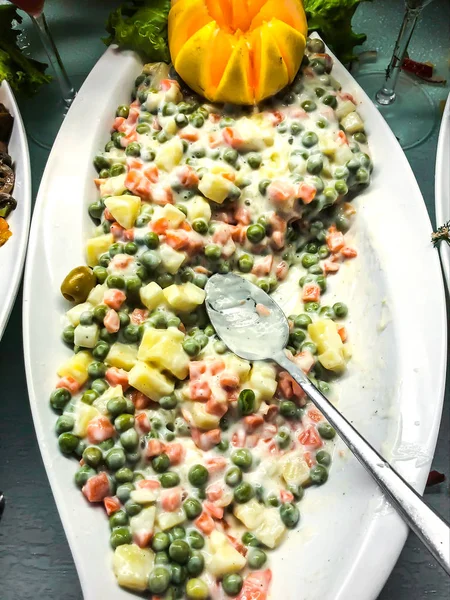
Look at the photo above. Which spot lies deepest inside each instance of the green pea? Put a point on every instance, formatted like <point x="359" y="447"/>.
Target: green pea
<point x="161" y="463"/>
<point x="179" y="551"/>
<point x="197" y="120"/>
<point x="117" y="169"/>
<point x="288" y="409"/>
<point x="245" y="263"/>
<point x="173" y="322"/>
<point x="256" y="558"/>
<point x="158" y="320"/>
<point x="59" y="398"/>
<point x="115" y="459"/>
<point x="118" y="519"/>
<point x="340" y="310"/>
<point x="202" y="340"/>
<point x="158" y="580"/>
<point x="246" y="402"/>
<point x="83" y="474"/>
<point x="230" y="156"/>
<point x="360" y="137"/>
<point x="150" y="260"/>
<point x="107" y="444"/>
<point x="309" y="105"/>
<point x="326" y="431"/>
<point x="116" y="406"/>
<point x="64" y="423"/>
<point x="168" y="402"/>
<point x="123" y="491"/>
<point x="160" y="541"/>
<point x="309" y="139"/>
<point x="100" y="386"/>
<point x="323" y="458"/>
<point x="273" y="501"/>
<point x="297" y="337"/>
<point x="283" y="439"/>
<point x="330" y="100"/>
<point x="196" y="564"/>
<point x="296" y="128"/>
<point x="232" y="584"/>
<point x="254" y="160"/>
<point x="120" y="536"/>
<point x="100" y="351"/>
<point x="362" y="176"/>
<point x="198" y="475"/>
<point x="192" y="508"/>
<point x="263" y="185"/>
<point x="243" y="492"/>
<point x="93" y="456"/>
<point x="116" y="137"/>
<point x="200" y="226"/>
<point x="233" y="476"/>
<point x="104" y="259"/>
<point x="132" y="508"/>
<point x="198" y="151"/>
<point x="213" y="251"/>
<point x="115" y="282"/>
<point x="181" y="120"/>
<point x="100" y="273"/>
<point x="249" y="539"/>
<point x="124" y="475"/>
<point x="96" y="210"/>
<point x="191" y="346"/>
<point x="151" y="240"/>
<point x="178" y="575"/>
<point x="322" y="282"/>
<point x="169" y="479"/>
<point x="220" y="347"/>
<point x="312" y="306"/>
<point x="314" y="164"/>
<point x="323" y="252"/>
<point x="68" y="442"/>
<point x="310" y="347"/>
<point x="341" y="187"/>
<point x="142" y="220"/>
<point x="196" y="589"/>
<point x="162" y="558"/>
<point x="302" y="321"/>
<point x="309" y="259"/>
<point x="289" y="514"/>
<point x="305" y="279"/>
<point x="131" y="333"/>
<point x="223" y="445"/>
<point x="196" y="540"/>
<point x="242" y="458"/>
<point x="318" y="474"/>
<point x="324" y="387"/>
<point x="256" y="233"/>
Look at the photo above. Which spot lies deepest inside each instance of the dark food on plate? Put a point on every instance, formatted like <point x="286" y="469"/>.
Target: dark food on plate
<point x="7" y="177"/>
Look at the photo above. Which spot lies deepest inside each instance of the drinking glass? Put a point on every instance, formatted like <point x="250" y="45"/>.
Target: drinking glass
<point x="57" y="95"/>
<point x="403" y="102"/>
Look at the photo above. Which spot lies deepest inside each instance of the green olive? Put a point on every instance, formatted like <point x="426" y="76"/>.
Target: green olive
<point x="78" y="284"/>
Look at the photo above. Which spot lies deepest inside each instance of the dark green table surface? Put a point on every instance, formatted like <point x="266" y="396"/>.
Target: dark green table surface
<point x="35" y="560"/>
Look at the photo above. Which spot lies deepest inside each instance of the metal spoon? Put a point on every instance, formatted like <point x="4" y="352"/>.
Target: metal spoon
<point x="236" y="309"/>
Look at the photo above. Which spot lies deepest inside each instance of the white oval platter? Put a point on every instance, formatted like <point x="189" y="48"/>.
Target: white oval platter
<point x="442" y="185"/>
<point x="349" y="538"/>
<point x="12" y="254"/>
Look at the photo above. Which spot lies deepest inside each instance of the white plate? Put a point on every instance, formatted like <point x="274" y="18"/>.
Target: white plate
<point x="12" y="254"/>
<point x="442" y="185"/>
<point x="350" y="538"/>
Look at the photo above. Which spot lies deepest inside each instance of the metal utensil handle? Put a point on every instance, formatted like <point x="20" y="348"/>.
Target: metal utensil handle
<point x="429" y="527"/>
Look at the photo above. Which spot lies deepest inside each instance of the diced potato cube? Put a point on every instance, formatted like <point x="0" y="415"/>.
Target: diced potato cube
<point x="199" y="208"/>
<point x="97" y="246"/>
<point x="352" y="123"/>
<point x="201" y="418"/>
<point x="255" y="133"/>
<point x="83" y="415"/>
<point x="151" y="295"/>
<point x="152" y="337"/>
<point x="185" y="297"/>
<point x="74" y="313"/>
<point x="143" y="522"/>
<point x="76" y="367"/>
<point x="271" y="529"/>
<point x="295" y="469"/>
<point x="167" y="520"/>
<point x="238" y="365"/>
<point x="113" y="186"/>
<point x="173" y="215"/>
<point x="169" y="155"/>
<point x="132" y="566"/>
<point x="215" y="187"/>
<point x="150" y="381"/>
<point x="170" y="126"/>
<point x="251" y="514"/>
<point x="332" y="359"/>
<point x="171" y="259"/>
<point x="217" y="539"/>
<point x="170" y="355"/>
<point x="86" y="336"/>
<point x="345" y="108"/>
<point x="327" y="145"/>
<point x="122" y="356"/>
<point x="342" y="155"/>
<point x="263" y="381"/>
<point x="347" y="351"/>
<point x="153" y="100"/>
<point x="324" y="334"/>
<point x="96" y="294"/>
<point x="224" y="559"/>
<point x="144" y="496"/>
<point x="124" y="209"/>
<point x="101" y="402"/>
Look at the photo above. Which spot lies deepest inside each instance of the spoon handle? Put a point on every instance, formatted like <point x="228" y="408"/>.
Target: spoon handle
<point x="429" y="527"/>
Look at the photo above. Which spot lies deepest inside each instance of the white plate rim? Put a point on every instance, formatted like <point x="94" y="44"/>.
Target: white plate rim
<point x="17" y="243"/>
<point x="442" y="185"/>
<point x="388" y="526"/>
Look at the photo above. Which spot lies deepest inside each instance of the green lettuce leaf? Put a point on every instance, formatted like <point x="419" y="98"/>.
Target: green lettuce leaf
<point x="141" y="25"/>
<point x="23" y="74"/>
<point x="332" y="19"/>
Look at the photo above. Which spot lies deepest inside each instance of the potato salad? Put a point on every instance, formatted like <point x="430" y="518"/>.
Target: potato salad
<point x="199" y="458"/>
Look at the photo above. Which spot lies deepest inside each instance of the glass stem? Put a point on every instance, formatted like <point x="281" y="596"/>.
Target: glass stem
<point x="386" y="95"/>
<point x="67" y="90"/>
